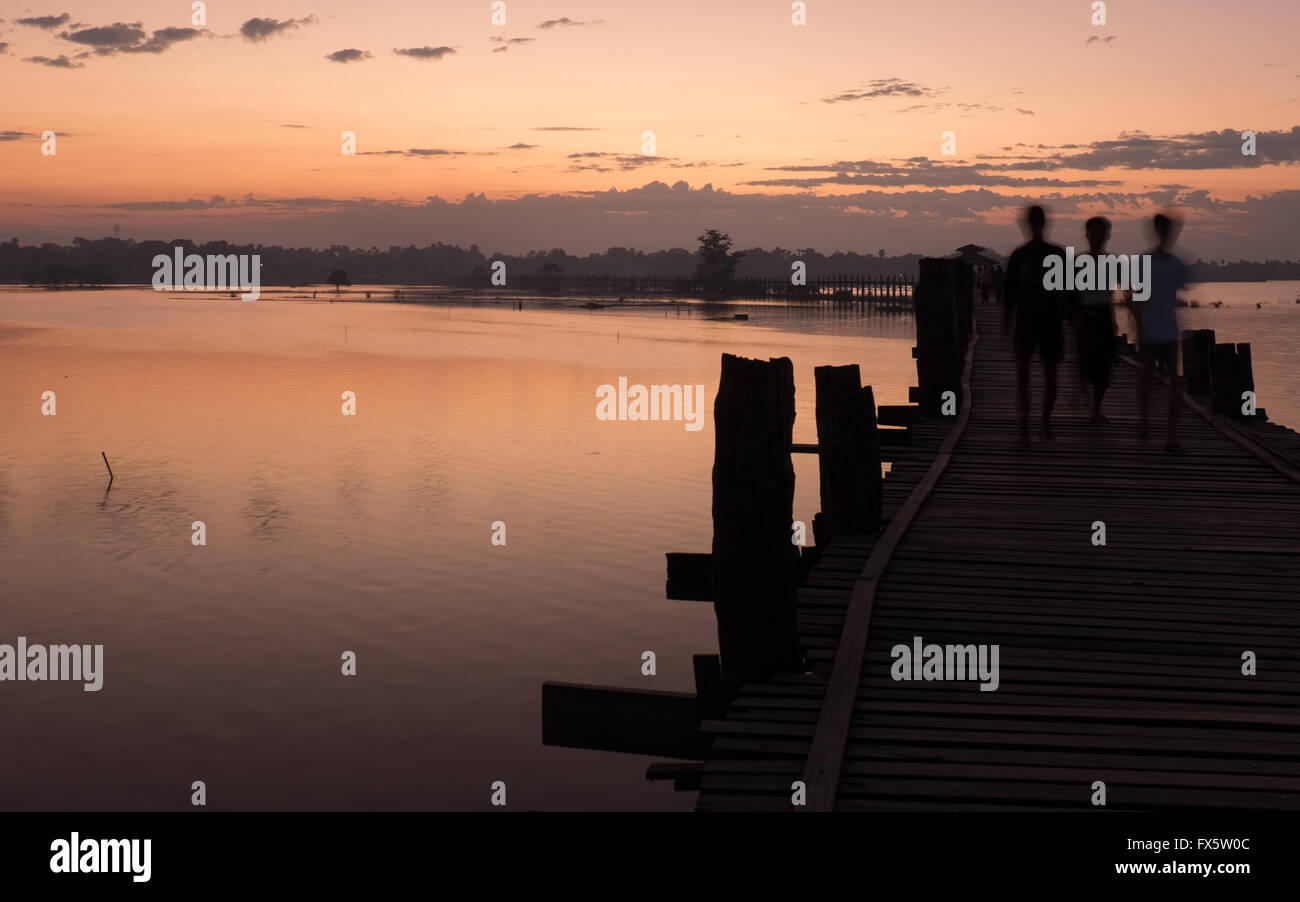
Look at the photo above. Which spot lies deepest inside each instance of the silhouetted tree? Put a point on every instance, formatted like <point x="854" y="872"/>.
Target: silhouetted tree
<point x="338" y="278"/>
<point x="716" y="256"/>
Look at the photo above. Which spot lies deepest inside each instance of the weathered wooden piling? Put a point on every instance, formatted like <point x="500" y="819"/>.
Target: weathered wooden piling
<point x="848" y="452"/>
<point x="755" y="565"/>
<point x="1245" y="374"/>
<point x="939" y="343"/>
<point x="710" y="694"/>
<point x="1231" y="374"/>
<point x="1198" y="353"/>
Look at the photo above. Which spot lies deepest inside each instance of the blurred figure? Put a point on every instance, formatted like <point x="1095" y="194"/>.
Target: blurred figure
<point x="985" y="283"/>
<point x="1094" y="322"/>
<point x="1157" y="328"/>
<point x="1036" y="313"/>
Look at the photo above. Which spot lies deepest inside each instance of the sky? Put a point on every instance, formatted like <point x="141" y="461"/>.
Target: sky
<point x="532" y="134"/>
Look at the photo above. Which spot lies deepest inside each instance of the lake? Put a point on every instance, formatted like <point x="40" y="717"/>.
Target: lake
<point x="372" y="533"/>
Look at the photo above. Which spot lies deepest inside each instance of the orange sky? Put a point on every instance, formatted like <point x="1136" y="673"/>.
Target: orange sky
<point x="733" y="91"/>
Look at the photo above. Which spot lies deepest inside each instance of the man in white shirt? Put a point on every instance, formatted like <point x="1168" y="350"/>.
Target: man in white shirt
<point x="1157" y="327"/>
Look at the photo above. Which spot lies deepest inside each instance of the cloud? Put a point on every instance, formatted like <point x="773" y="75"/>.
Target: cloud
<point x="292" y="125"/>
<point x="882" y="87"/>
<point x="658" y="215"/>
<point x="119" y="34"/>
<point x="1196" y="150"/>
<point x="522" y="146"/>
<point x="3" y="47"/>
<point x="414" y="152"/>
<point x="163" y="38"/>
<point x="58" y="62"/>
<point x="962" y="109"/>
<point x="424" y="53"/>
<point x="259" y="29"/>
<point x="916" y="171"/>
<point x="46" y="22"/>
<point x="1017" y="169"/>
<point x="566" y="22"/>
<point x="507" y="43"/>
<point x="601" y="161"/>
<point x="194" y="203"/>
<point x="128" y="37"/>
<point x="563" y="128"/>
<point x="15" y="136"/>
<point x="349" y="55"/>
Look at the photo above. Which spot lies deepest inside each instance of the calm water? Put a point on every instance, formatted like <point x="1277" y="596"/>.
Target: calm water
<point x="372" y="533"/>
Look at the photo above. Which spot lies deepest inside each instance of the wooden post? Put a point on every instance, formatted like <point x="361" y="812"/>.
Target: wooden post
<point x="965" y="309"/>
<point x="1245" y="377"/>
<point x="709" y="692"/>
<point x="1198" y="351"/>
<point x="938" y="357"/>
<point x="849" y="451"/>
<point x="755" y="565"/>
<point x="1224" y="378"/>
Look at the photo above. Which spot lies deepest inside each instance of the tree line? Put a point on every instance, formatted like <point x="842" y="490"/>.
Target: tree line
<point x="92" y="262"/>
<point x="115" y="260"/>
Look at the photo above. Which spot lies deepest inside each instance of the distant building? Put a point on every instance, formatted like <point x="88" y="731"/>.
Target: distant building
<point x="977" y="255"/>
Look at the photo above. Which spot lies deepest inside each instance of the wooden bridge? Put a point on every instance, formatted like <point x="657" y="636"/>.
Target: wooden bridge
<point x="1143" y="604"/>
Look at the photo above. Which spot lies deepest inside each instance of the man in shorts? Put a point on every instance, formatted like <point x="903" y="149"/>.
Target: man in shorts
<point x="1157" y="328"/>
<point x="1036" y="312"/>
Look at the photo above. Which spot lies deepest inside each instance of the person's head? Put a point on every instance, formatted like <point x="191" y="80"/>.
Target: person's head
<point x="1166" y="227"/>
<point x="1098" y="231"/>
<point x="1036" y="219"/>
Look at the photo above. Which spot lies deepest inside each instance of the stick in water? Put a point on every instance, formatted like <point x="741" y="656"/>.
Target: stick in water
<point x="110" y="470"/>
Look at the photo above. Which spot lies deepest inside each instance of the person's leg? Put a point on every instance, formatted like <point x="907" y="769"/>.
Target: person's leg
<point x="1098" y="393"/>
<point x="1144" y="395"/>
<point x="1080" y="335"/>
<point x="1051" y="350"/>
<point x="1103" y="350"/>
<point x="1049" y="396"/>
<point x="1022" y="395"/>
<point x="1175" y="403"/>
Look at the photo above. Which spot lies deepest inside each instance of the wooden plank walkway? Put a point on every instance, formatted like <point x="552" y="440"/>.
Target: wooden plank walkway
<point x="1119" y="663"/>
